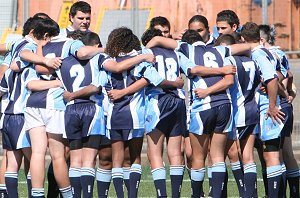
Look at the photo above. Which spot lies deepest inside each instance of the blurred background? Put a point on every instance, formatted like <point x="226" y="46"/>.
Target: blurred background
<point x="136" y="14"/>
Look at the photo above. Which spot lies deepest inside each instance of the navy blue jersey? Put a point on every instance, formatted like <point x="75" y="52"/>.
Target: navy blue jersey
<point x="129" y="111"/>
<point x="52" y="98"/>
<point x="17" y="89"/>
<point x="208" y="57"/>
<point x="247" y="79"/>
<point x="75" y="74"/>
<point x="168" y="63"/>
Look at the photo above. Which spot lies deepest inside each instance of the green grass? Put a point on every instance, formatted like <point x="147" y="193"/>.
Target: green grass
<point x="147" y="187"/>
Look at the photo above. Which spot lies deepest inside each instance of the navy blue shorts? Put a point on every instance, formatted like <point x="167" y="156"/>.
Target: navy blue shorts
<point x="79" y="120"/>
<point x="105" y="142"/>
<point x="172" y="116"/>
<point x="245" y="131"/>
<point x="14" y="134"/>
<point x="126" y="134"/>
<point x="92" y="141"/>
<point x="217" y="119"/>
<point x="288" y="121"/>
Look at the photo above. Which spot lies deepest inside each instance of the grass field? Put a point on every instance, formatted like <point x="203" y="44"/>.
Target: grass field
<point x="147" y="187"/>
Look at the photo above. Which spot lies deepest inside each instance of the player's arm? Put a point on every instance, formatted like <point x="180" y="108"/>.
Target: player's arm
<point x="82" y="93"/>
<point x="273" y="111"/>
<point x="160" y="41"/>
<point x="116" y="94"/>
<point x="4" y="48"/>
<point x="88" y="52"/>
<point x="40" y="85"/>
<point x="208" y="71"/>
<point x="222" y="85"/>
<point x="118" y="67"/>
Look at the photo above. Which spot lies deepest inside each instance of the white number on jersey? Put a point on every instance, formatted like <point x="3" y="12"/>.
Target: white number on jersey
<point x="169" y="65"/>
<point x="210" y="60"/>
<point x="77" y="71"/>
<point x="250" y="67"/>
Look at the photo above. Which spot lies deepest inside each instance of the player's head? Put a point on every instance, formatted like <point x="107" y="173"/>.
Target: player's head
<point x="191" y="36"/>
<point x="267" y="34"/>
<point x="44" y="28"/>
<point x="225" y="39"/>
<point x="199" y="23"/>
<point x="28" y="25"/>
<point x="41" y="15"/>
<point x="162" y="24"/>
<point x="76" y="34"/>
<point x="122" y="40"/>
<point x="91" y="39"/>
<point x="149" y="34"/>
<point x="227" y="22"/>
<point x="250" y="33"/>
<point x="80" y="15"/>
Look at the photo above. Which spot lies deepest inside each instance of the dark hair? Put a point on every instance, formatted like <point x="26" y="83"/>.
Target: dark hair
<point x="91" y="39"/>
<point x="43" y="26"/>
<point x="268" y="33"/>
<point x="191" y="36"/>
<point x="201" y="19"/>
<point x="41" y="15"/>
<point x="122" y="40"/>
<point x="149" y="34"/>
<point x="160" y="20"/>
<point x="229" y="16"/>
<point x="76" y="34"/>
<point x="27" y="27"/>
<point x="225" y="38"/>
<point x="81" y="6"/>
<point x="250" y="32"/>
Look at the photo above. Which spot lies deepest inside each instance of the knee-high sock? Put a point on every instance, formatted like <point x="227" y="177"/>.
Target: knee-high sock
<point x="250" y="180"/>
<point x="117" y="177"/>
<point x="74" y="175"/>
<point x="159" y="177"/>
<point x="238" y="176"/>
<point x="293" y="180"/>
<point x="87" y="181"/>
<point x="176" y="174"/>
<point x="197" y="177"/>
<point x="103" y="182"/>
<point x="11" y="181"/>
<point x="218" y="178"/>
<point x="134" y="178"/>
<point x="274" y="180"/>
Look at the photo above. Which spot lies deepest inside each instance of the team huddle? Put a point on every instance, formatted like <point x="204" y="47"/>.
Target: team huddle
<point x="208" y="97"/>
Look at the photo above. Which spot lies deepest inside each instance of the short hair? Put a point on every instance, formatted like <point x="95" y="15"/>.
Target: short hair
<point x="43" y="26"/>
<point x="81" y="6"/>
<point x="91" y="39"/>
<point x="76" y="34"/>
<point x="160" y="20"/>
<point x="122" y="40"/>
<point x="28" y="25"/>
<point x="268" y="33"/>
<point x="41" y="15"/>
<point x="191" y="36"/>
<point x="229" y="16"/>
<point x="201" y="19"/>
<point x="250" y="32"/>
<point x="228" y="39"/>
<point x="149" y="34"/>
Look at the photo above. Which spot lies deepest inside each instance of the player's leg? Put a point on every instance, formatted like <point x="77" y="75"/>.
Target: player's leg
<point x="135" y="147"/>
<point x="103" y="174"/>
<point x="155" y="140"/>
<point x="14" y="160"/>
<point x="117" y="170"/>
<point x="233" y="155"/>
<point x="75" y="167"/>
<point x="246" y="140"/>
<point x="258" y="144"/>
<point x="3" y="192"/>
<point x="126" y="166"/>
<point x="271" y="157"/>
<point x="27" y="156"/>
<point x="199" y="145"/>
<point x="91" y="145"/>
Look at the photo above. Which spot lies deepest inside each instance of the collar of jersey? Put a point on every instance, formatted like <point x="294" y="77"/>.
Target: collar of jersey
<point x="257" y="47"/>
<point x="198" y="43"/>
<point x="30" y="39"/>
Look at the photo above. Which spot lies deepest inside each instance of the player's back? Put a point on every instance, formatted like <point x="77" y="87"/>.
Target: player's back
<point x="168" y="66"/>
<point x="208" y="57"/>
<point x="243" y="91"/>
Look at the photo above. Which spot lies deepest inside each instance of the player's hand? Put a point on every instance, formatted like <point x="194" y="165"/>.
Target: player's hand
<point x="179" y="82"/>
<point x="53" y="63"/>
<point x="150" y="58"/>
<point x="58" y="83"/>
<point x="275" y="114"/>
<point x="116" y="94"/>
<point x="201" y="93"/>
<point x="67" y="96"/>
<point x="178" y="34"/>
<point x="228" y="69"/>
<point x="263" y="89"/>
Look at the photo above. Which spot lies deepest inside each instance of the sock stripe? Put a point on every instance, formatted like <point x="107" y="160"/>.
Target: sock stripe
<point x="117" y="173"/>
<point x="235" y="165"/>
<point x="74" y="172"/>
<point x="159" y="173"/>
<point x="66" y="189"/>
<point x="250" y="168"/>
<point x="176" y="170"/>
<point x="197" y="174"/>
<point x="292" y="173"/>
<point x="11" y="175"/>
<point x="86" y="171"/>
<point x="274" y="174"/>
